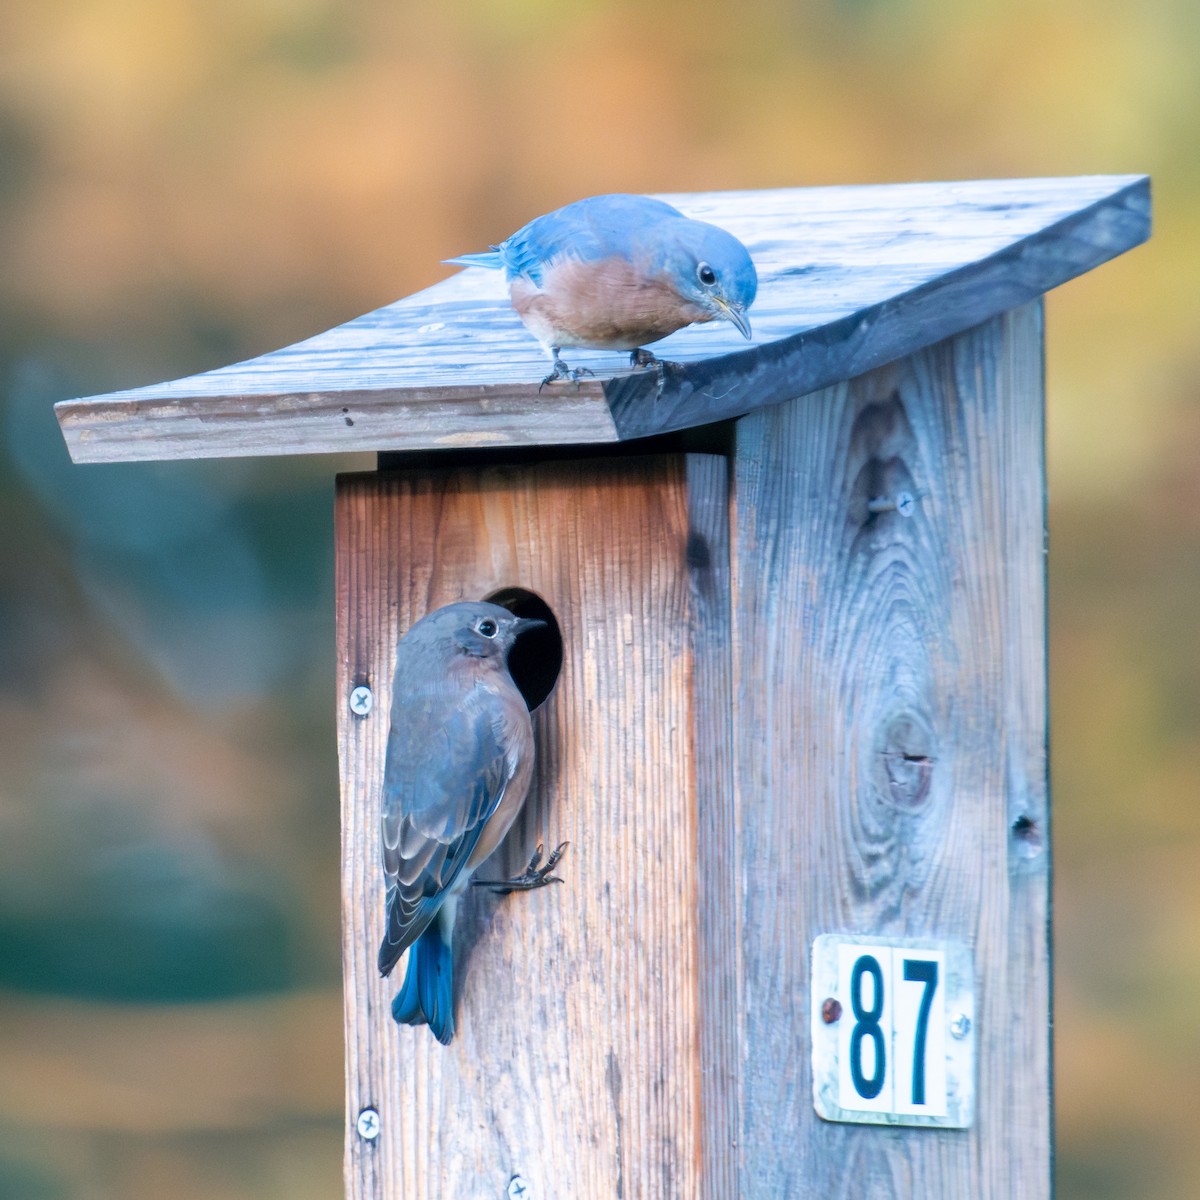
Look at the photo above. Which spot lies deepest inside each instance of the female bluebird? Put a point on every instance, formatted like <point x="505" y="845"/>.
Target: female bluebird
<point x="615" y="272"/>
<point x="459" y="760"/>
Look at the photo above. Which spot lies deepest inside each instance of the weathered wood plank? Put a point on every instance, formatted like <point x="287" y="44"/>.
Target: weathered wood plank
<point x="891" y="745"/>
<point x="579" y="1061"/>
<point x="717" y="848"/>
<point x="851" y="277"/>
<point x="306" y="422"/>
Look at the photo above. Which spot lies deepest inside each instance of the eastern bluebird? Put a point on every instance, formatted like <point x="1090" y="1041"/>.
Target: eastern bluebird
<point x="459" y="760"/>
<point x="615" y="272"/>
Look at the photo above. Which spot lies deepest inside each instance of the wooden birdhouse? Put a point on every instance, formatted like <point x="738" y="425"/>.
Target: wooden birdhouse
<point x="790" y="707"/>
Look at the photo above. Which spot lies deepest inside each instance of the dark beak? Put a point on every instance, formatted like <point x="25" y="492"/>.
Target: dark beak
<point x="525" y="624"/>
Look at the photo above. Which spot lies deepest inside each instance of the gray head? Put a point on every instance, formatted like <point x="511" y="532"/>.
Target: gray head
<point x="473" y="628"/>
<point x="711" y="268"/>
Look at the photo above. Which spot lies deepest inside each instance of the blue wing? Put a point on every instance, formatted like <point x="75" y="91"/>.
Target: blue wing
<point x="446" y="774"/>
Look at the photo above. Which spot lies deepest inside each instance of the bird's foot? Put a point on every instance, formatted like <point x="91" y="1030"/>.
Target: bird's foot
<point x="643" y="358"/>
<point x="564" y="374"/>
<point x="536" y="875"/>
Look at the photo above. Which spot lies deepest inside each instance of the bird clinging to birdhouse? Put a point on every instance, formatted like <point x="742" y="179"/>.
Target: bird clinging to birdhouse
<point x="459" y="761"/>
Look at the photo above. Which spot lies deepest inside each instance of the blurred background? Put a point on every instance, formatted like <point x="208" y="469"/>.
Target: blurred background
<point x="187" y="184"/>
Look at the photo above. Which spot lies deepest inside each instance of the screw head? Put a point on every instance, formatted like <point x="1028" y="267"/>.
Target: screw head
<point x="960" y="1026"/>
<point x="902" y="502"/>
<point x="518" y="1189"/>
<point x="361" y="700"/>
<point x="368" y="1124"/>
<point x="831" y="1011"/>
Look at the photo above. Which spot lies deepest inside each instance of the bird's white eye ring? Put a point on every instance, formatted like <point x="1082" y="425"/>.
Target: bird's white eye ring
<point x="706" y="274"/>
<point x="487" y="628"/>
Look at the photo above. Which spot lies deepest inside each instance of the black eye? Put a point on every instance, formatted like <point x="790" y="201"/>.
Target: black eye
<point x="488" y="628"/>
<point x="706" y="274"/>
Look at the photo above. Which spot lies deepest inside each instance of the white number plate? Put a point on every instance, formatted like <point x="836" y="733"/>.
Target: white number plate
<point x="893" y="1031"/>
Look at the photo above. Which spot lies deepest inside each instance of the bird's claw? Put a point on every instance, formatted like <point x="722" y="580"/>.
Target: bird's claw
<point x="564" y="374"/>
<point x="536" y="874"/>
<point x="643" y="358"/>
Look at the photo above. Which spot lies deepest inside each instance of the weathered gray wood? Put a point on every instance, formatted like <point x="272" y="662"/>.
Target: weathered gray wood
<point x="719" y="957"/>
<point x="851" y="277"/>
<point x="130" y="428"/>
<point x="889" y="675"/>
<point x="582" y="1058"/>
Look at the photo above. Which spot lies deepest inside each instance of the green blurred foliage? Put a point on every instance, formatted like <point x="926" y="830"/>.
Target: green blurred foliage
<point x="183" y="185"/>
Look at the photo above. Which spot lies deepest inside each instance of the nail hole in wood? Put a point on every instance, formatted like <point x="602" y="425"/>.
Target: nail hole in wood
<point x="1025" y="829"/>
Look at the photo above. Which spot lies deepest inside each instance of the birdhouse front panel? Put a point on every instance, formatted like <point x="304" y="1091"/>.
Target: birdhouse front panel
<point x="581" y="1064"/>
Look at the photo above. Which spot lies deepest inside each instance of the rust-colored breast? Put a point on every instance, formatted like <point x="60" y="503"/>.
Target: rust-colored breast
<point x="606" y="305"/>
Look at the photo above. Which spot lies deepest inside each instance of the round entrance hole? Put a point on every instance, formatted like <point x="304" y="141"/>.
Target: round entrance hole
<point x="536" y="658"/>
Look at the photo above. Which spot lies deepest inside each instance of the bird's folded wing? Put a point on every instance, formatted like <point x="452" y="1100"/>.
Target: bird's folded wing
<point x="446" y="773"/>
<point x="597" y="228"/>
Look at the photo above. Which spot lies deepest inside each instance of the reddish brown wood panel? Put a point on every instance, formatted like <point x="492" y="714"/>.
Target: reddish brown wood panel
<point x="580" y="1060"/>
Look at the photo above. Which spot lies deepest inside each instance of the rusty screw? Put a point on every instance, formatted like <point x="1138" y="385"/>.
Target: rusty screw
<point x="831" y="1011"/>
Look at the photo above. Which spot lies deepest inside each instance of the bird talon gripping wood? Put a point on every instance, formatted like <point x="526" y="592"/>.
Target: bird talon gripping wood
<point x="615" y="272"/>
<point x="532" y="877"/>
<point x="564" y="374"/>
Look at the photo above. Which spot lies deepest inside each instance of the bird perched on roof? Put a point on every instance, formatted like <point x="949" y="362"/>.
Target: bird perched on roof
<point x="615" y="272"/>
<point x="459" y="761"/>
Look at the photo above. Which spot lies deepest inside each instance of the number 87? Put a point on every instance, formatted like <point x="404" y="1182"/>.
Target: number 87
<point x="868" y="1028"/>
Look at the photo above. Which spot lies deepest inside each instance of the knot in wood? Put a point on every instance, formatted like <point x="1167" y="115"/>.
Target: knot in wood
<point x="908" y="760"/>
<point x="699" y="556"/>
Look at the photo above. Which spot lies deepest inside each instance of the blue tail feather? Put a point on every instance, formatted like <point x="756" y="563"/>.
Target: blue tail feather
<point x="427" y="996"/>
<point x="485" y="258"/>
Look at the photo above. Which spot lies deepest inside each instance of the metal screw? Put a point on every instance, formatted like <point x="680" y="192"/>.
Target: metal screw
<point x="518" y="1189"/>
<point x="368" y="1124"/>
<point x="831" y="1011"/>
<point x="960" y="1026"/>
<point x="361" y="700"/>
<point x="902" y="503"/>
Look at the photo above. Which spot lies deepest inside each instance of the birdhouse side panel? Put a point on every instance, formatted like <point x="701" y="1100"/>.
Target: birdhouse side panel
<point x="890" y="743"/>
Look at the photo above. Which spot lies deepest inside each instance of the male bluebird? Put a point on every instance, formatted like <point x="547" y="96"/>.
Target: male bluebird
<point x="615" y="272"/>
<point x="459" y="760"/>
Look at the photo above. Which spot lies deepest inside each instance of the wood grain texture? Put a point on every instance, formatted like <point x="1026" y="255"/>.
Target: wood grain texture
<point x="890" y="739"/>
<point x="580" y="1060"/>
<point x="850" y="278"/>
<point x="717" y="848"/>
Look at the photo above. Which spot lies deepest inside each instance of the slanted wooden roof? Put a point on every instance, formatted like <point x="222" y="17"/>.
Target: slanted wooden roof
<point x="849" y="278"/>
